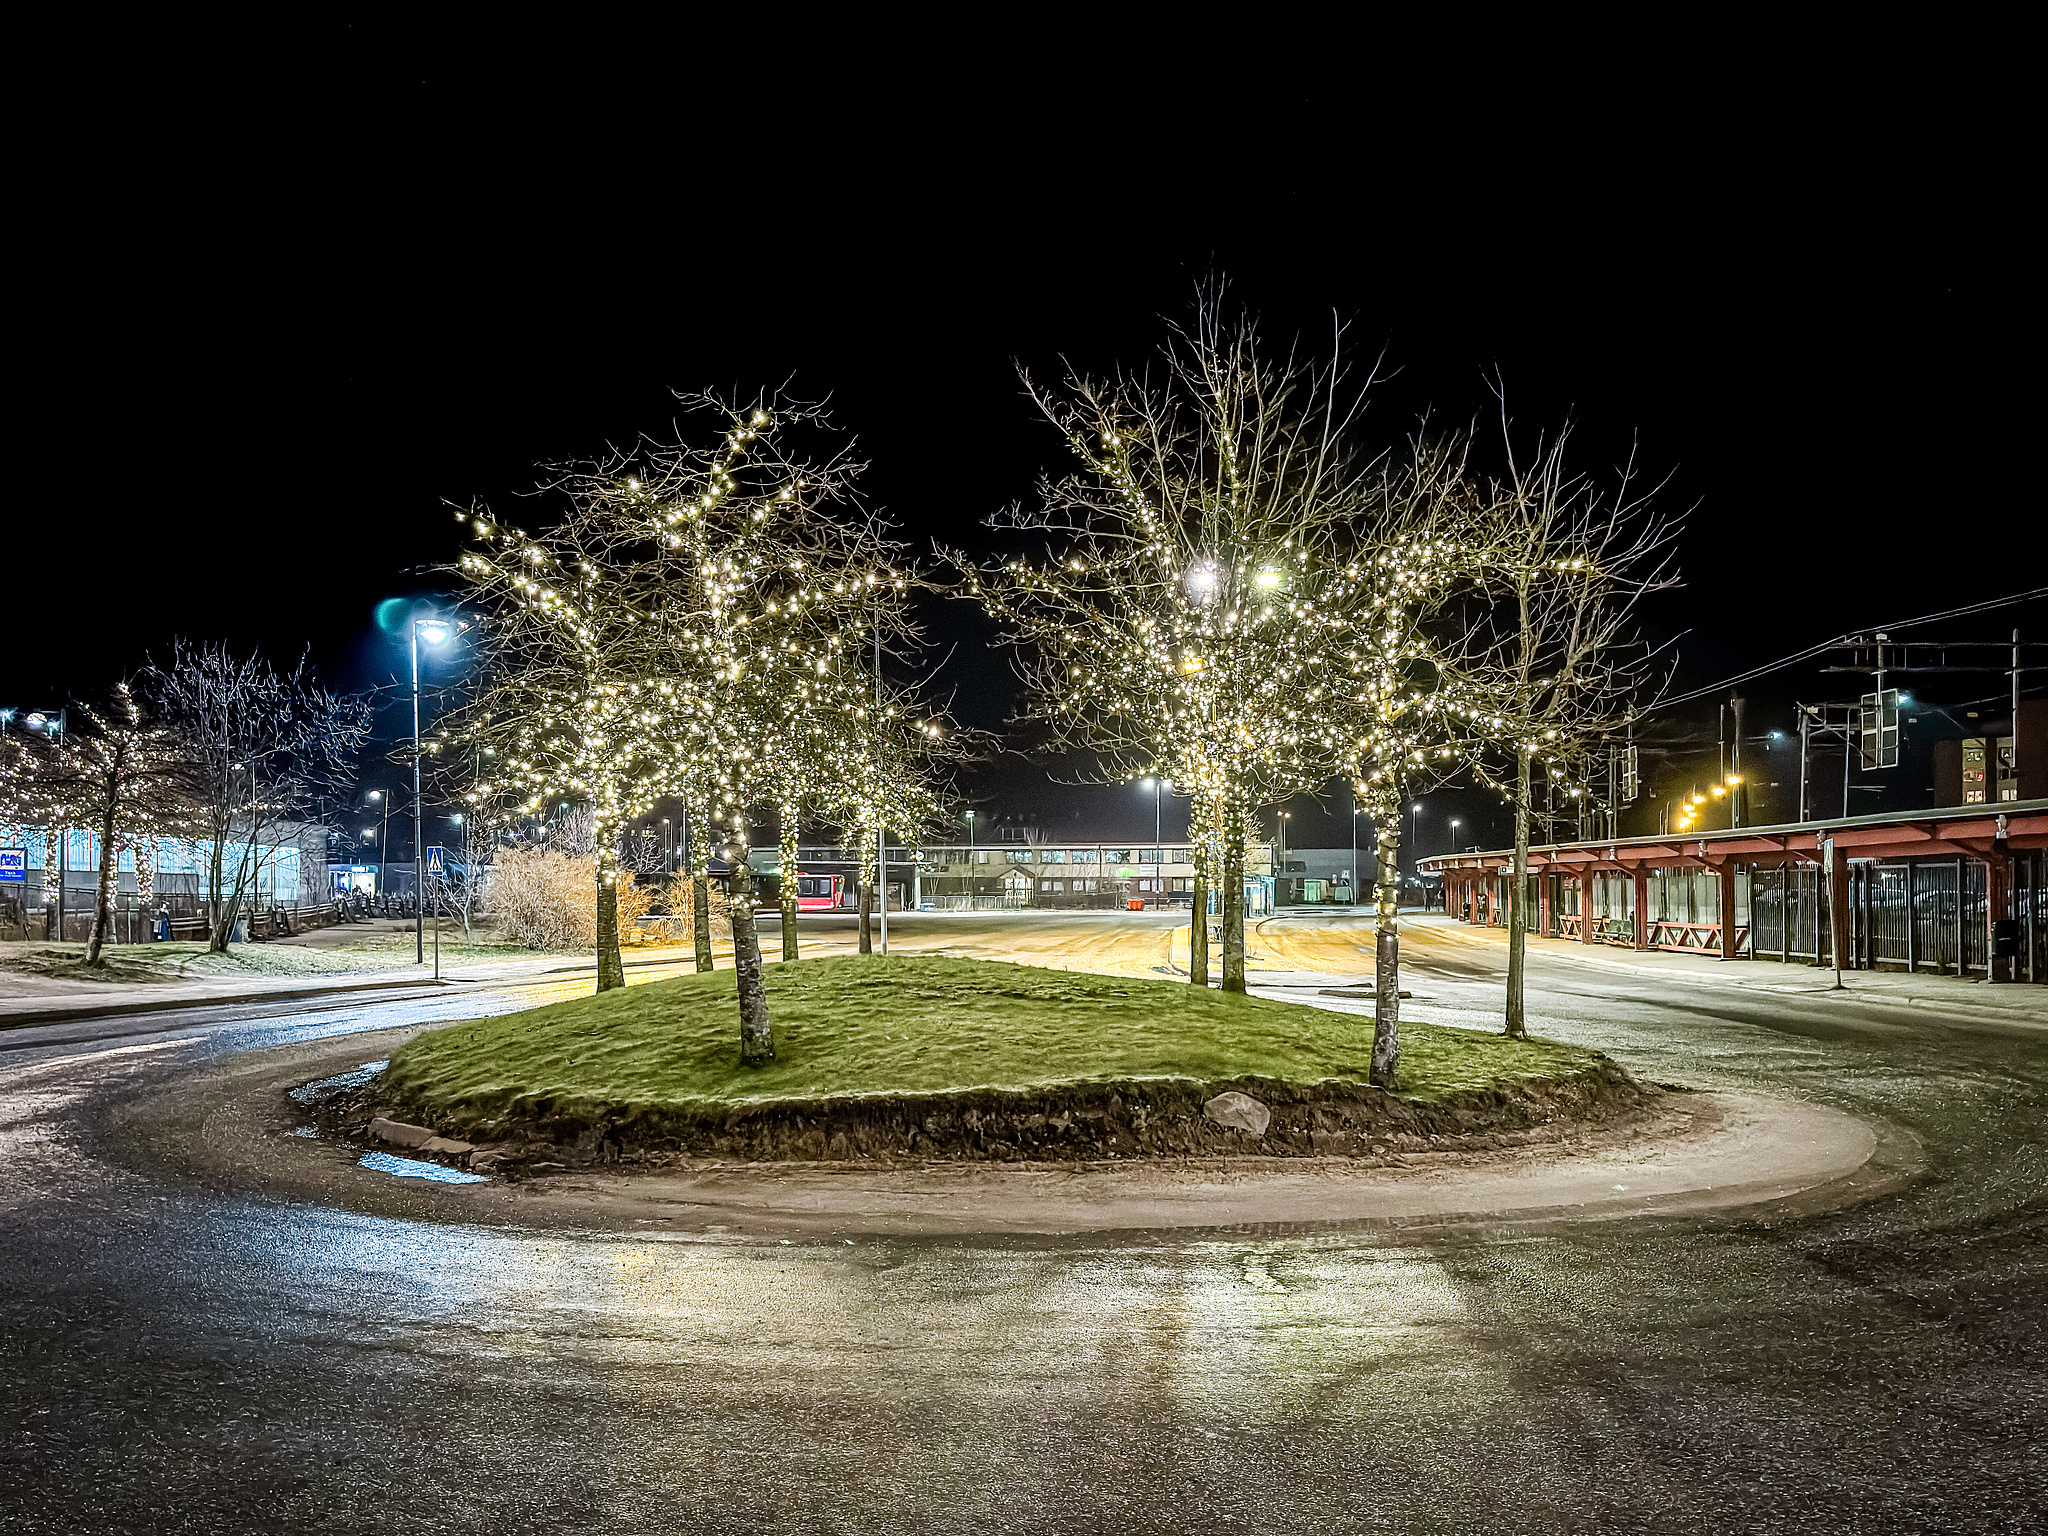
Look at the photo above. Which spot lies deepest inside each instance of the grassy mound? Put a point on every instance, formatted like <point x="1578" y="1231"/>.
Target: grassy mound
<point x="854" y="1027"/>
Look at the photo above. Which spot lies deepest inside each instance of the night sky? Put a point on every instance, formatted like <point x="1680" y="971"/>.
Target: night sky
<point x="270" y="346"/>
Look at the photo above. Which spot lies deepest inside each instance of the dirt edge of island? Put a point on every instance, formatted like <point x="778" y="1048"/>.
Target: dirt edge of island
<point x="1077" y="1123"/>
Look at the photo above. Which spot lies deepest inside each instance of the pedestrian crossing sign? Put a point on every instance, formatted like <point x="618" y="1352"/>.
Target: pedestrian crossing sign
<point x="437" y="860"/>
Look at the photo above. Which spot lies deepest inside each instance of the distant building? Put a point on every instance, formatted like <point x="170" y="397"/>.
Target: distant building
<point x="62" y="874"/>
<point x="291" y="866"/>
<point x="1072" y="873"/>
<point x="1314" y="875"/>
<point x="1979" y="769"/>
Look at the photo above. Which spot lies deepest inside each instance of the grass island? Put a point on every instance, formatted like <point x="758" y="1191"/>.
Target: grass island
<point x="934" y="1056"/>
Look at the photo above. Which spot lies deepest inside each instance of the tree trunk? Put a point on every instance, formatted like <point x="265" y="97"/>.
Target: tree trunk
<point x="787" y="891"/>
<point x="757" y="1040"/>
<point x="1518" y="900"/>
<point x="611" y="968"/>
<point x="216" y="936"/>
<point x="110" y="871"/>
<point x="867" y="915"/>
<point x="231" y="907"/>
<point x="1198" y="923"/>
<point x="1386" y="953"/>
<point x="1233" y="902"/>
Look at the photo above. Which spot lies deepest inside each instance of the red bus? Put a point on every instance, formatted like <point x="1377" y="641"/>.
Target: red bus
<point x="818" y="893"/>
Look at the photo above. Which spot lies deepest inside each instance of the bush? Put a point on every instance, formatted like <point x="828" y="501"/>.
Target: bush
<point x="546" y="899"/>
<point x="678" y="896"/>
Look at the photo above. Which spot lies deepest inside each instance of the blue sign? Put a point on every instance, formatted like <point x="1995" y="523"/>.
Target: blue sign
<point x="436" y="857"/>
<point x="13" y="866"/>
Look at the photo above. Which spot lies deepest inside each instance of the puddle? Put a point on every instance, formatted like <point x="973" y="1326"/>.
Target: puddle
<point x="327" y="1087"/>
<point x="413" y="1168"/>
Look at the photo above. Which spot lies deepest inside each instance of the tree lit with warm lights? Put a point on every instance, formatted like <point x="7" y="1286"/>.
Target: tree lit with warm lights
<point x="1189" y="614"/>
<point x="694" y="628"/>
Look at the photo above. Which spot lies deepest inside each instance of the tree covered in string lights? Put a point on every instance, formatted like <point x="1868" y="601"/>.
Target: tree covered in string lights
<point x="1189" y="613"/>
<point x="115" y="769"/>
<point x="1551" y="669"/>
<point x="887" y="782"/>
<point x="692" y="628"/>
<point x="1404" y="706"/>
<point x="570" y="704"/>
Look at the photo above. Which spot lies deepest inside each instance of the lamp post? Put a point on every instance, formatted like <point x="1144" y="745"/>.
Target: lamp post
<point x="435" y="632"/>
<point x="1156" y="784"/>
<point x="1414" y="847"/>
<point x="383" y="834"/>
<point x="1454" y="834"/>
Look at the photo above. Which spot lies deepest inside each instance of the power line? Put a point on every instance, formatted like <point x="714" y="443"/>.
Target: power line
<point x="1827" y="645"/>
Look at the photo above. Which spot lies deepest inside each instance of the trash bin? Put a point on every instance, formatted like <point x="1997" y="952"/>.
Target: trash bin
<point x="1135" y="904"/>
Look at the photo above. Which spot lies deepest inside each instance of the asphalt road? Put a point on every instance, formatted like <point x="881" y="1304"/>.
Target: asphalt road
<point x="180" y="1356"/>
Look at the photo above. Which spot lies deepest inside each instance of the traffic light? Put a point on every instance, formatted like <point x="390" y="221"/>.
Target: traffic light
<point x="1880" y="733"/>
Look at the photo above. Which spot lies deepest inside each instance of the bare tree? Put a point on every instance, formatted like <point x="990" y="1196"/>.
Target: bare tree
<point x="1555" y="667"/>
<point x="263" y="747"/>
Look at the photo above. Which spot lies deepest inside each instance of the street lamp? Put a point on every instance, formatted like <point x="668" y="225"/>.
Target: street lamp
<point x="382" y="835"/>
<point x="1454" y="834"/>
<point x="968" y="817"/>
<point x="1155" y="785"/>
<point x="1414" y="847"/>
<point x="433" y="631"/>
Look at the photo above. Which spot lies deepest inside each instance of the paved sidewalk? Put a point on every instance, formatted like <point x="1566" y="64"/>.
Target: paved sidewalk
<point x="21" y="1008"/>
<point x="2019" y="1001"/>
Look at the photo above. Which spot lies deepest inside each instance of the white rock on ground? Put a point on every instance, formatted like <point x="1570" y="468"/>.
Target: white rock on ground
<point x="1239" y="1111"/>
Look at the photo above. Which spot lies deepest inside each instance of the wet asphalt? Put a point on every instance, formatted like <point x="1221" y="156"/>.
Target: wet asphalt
<point x="176" y="1356"/>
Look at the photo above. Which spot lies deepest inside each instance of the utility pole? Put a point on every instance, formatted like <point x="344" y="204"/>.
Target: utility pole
<point x="1613" y="791"/>
<point x="1741" y="785"/>
<point x="2015" y="714"/>
<point x="1805" y="737"/>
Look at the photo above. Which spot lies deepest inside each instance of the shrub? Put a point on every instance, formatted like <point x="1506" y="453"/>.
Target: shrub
<point x="547" y="899"/>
